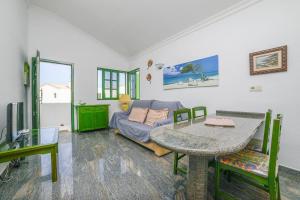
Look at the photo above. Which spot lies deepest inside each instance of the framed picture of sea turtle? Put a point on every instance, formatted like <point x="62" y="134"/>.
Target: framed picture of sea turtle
<point x="268" y="61"/>
<point x="198" y="73"/>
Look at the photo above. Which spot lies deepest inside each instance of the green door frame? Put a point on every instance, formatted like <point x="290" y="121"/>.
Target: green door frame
<point x="35" y="95"/>
<point x="35" y="79"/>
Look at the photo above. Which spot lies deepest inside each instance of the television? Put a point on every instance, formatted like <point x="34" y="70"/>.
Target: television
<point x="15" y="120"/>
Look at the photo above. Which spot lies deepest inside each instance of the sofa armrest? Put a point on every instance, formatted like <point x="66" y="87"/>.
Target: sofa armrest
<point x="122" y="113"/>
<point x="116" y="117"/>
<point x="163" y="122"/>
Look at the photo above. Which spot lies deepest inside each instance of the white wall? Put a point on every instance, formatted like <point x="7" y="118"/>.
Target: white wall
<point x="58" y="40"/>
<point x="55" y="114"/>
<point x="13" y="53"/>
<point x="267" y="24"/>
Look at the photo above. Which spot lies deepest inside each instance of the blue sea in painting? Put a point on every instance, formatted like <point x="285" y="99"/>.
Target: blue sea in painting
<point x="198" y="71"/>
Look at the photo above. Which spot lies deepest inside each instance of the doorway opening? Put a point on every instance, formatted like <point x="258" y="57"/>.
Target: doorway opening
<point x="56" y="95"/>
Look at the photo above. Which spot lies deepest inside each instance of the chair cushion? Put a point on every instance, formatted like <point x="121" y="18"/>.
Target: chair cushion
<point x="250" y="161"/>
<point x="138" y="114"/>
<point x="156" y="115"/>
<point x="255" y="145"/>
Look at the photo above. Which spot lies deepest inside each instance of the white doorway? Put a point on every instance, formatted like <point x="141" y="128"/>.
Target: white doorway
<point x="56" y="95"/>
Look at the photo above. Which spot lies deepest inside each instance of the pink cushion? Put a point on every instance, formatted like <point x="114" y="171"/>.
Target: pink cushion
<point x="138" y="114"/>
<point x="156" y="115"/>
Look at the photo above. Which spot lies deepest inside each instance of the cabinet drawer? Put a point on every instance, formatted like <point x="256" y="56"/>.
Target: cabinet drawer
<point x="101" y="108"/>
<point x="93" y="108"/>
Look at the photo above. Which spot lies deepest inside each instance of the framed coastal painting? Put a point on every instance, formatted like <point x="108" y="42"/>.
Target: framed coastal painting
<point x="198" y="73"/>
<point x="268" y="61"/>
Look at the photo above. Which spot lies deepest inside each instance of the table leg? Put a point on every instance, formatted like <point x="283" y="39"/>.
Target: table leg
<point x="197" y="178"/>
<point x="54" y="164"/>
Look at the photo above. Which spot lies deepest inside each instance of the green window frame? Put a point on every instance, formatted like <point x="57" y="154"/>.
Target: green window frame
<point x="112" y="83"/>
<point x="133" y="84"/>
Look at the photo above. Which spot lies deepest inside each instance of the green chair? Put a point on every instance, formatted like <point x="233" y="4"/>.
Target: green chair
<point x="180" y="115"/>
<point x="196" y="110"/>
<point x="258" y="169"/>
<point x="262" y="145"/>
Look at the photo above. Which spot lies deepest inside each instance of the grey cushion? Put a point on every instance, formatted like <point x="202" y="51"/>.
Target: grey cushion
<point x="171" y="105"/>
<point x="140" y="104"/>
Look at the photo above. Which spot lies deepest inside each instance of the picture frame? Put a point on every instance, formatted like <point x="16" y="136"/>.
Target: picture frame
<point x="268" y="61"/>
<point x="202" y="72"/>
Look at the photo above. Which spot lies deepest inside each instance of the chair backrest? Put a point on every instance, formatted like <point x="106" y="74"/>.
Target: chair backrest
<point x="182" y="114"/>
<point x="196" y="110"/>
<point x="268" y="119"/>
<point x="275" y="146"/>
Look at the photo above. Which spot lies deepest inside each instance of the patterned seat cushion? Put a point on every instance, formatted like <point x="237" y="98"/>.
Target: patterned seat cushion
<point x="250" y="161"/>
<point x="255" y="145"/>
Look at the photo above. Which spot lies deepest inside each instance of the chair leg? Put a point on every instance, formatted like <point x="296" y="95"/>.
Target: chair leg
<point x="54" y="164"/>
<point x="278" y="188"/>
<point x="217" y="179"/>
<point x="228" y="175"/>
<point x="273" y="190"/>
<point x="175" y="163"/>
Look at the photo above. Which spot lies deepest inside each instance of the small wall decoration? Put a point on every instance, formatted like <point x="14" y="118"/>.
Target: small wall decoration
<point x="268" y="61"/>
<point x="150" y="63"/>
<point x="159" y="66"/>
<point x="198" y="73"/>
<point x="149" y="77"/>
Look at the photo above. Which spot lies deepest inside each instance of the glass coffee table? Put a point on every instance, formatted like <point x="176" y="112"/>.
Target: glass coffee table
<point x="36" y="141"/>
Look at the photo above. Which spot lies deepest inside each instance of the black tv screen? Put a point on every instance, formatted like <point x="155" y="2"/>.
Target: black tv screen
<point x="15" y="120"/>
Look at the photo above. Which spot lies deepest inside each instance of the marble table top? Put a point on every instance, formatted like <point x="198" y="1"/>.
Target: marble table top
<point x="195" y="138"/>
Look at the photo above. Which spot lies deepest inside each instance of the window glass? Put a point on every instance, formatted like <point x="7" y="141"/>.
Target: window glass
<point x="114" y="83"/>
<point x="107" y="93"/>
<point x="114" y="94"/>
<point x="122" y="83"/>
<point x="107" y="84"/>
<point x="107" y="75"/>
<point x="114" y="76"/>
<point x="99" y="93"/>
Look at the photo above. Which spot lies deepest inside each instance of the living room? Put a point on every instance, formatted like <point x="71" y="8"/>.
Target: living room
<point x="136" y="66"/>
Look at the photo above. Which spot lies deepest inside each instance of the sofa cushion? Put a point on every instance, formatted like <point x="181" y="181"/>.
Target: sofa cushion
<point x="170" y="105"/>
<point x="135" y="130"/>
<point x="156" y="115"/>
<point x="138" y="114"/>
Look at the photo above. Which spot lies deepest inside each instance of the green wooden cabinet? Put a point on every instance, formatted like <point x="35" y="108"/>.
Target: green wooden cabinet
<point x="92" y="117"/>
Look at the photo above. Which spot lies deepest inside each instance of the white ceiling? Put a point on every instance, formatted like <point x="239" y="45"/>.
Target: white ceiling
<point x="131" y="26"/>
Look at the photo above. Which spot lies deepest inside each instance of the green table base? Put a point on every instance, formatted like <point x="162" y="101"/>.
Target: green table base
<point x="28" y="151"/>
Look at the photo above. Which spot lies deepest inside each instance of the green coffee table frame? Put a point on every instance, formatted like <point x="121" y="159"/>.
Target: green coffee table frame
<point x="33" y="150"/>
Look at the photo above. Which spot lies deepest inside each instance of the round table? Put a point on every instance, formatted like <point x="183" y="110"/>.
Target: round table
<point x="201" y="143"/>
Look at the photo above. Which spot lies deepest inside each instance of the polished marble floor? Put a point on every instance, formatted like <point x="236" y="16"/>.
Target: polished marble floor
<point x="102" y="165"/>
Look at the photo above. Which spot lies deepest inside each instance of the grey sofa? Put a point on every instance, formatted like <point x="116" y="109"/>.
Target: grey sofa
<point x="138" y="131"/>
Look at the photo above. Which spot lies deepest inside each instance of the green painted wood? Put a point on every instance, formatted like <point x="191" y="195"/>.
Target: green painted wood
<point x="270" y="183"/>
<point x="92" y="117"/>
<point x="135" y="74"/>
<point x="268" y="120"/>
<point x="199" y="108"/>
<point x="36" y="147"/>
<point x="35" y="93"/>
<point x="72" y="100"/>
<point x="177" y="116"/>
